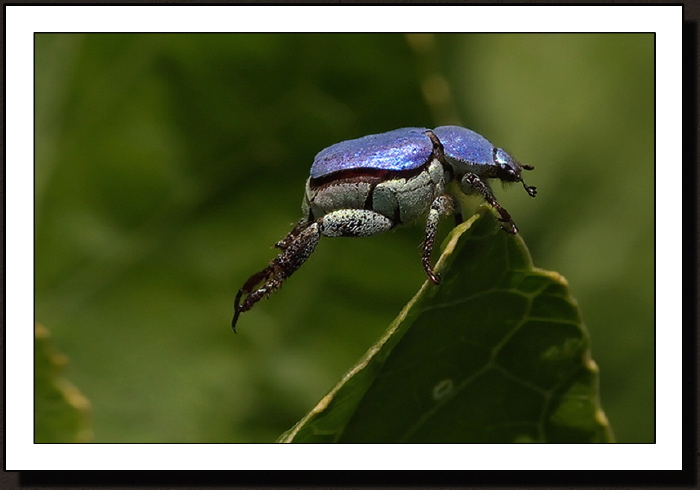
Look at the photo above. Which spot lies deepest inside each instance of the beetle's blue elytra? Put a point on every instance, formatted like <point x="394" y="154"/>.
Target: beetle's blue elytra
<point x="369" y="185"/>
<point x="401" y="149"/>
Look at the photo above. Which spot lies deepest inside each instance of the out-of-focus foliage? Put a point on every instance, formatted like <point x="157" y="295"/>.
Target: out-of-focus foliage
<point x="168" y="164"/>
<point x="62" y="412"/>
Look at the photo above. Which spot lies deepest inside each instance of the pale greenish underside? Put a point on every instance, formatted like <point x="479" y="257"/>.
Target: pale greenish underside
<point x="497" y="353"/>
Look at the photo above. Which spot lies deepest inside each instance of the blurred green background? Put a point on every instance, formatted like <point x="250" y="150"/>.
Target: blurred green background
<point x="167" y="165"/>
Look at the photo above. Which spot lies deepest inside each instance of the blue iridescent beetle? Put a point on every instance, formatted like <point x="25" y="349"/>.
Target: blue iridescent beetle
<point x="372" y="184"/>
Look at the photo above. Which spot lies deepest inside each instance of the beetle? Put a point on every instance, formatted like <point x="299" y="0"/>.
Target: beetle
<point x="369" y="185"/>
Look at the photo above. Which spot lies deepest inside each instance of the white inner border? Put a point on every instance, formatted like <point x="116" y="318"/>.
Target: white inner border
<point x="23" y="21"/>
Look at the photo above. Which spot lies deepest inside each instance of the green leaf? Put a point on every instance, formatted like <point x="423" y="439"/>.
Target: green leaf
<point x="496" y="354"/>
<point x="61" y="411"/>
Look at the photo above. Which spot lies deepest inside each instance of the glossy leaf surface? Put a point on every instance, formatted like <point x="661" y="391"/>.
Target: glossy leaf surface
<point x="496" y="354"/>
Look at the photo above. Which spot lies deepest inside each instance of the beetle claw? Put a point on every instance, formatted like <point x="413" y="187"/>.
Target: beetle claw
<point x="297" y="247"/>
<point x="435" y="278"/>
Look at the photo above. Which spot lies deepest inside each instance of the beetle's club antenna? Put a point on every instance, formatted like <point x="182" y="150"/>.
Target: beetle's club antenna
<point x="528" y="188"/>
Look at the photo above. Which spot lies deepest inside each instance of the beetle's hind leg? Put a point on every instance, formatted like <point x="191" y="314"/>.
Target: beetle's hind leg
<point x="442" y="205"/>
<point x="297" y="247"/>
<point x="298" y="228"/>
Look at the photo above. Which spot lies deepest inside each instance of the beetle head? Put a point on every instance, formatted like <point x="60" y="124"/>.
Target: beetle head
<point x="509" y="170"/>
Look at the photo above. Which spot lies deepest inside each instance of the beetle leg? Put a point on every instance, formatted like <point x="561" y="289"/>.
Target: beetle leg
<point x="441" y="205"/>
<point x="297" y="248"/>
<point x="483" y="188"/>
<point x="355" y="223"/>
<point x="286" y="241"/>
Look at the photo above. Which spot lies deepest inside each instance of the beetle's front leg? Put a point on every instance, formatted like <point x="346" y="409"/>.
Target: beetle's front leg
<point x="483" y="188"/>
<point x="441" y="205"/>
<point x="297" y="247"/>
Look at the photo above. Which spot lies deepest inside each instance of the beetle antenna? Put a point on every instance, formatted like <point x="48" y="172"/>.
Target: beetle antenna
<point x="529" y="189"/>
